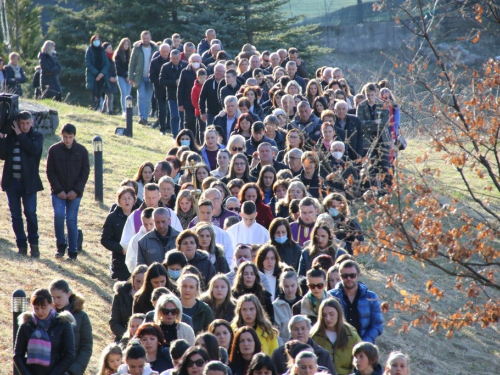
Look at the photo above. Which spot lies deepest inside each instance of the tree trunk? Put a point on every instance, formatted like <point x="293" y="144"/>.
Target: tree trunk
<point x="249" y="31"/>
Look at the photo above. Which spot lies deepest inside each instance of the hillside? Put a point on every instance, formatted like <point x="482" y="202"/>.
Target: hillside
<point x="471" y="351"/>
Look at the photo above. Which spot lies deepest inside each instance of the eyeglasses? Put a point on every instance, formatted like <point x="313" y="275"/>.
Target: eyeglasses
<point x="235" y="209"/>
<point x="169" y="311"/>
<point x="348" y="275"/>
<point x="199" y="362"/>
<point x="293" y="158"/>
<point x="316" y="286"/>
<point x="239" y="149"/>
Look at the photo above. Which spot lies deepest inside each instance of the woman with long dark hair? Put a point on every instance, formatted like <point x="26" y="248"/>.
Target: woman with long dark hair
<point x="281" y="238"/>
<point x="269" y="263"/>
<point x="156" y="276"/>
<point x="243" y="126"/>
<point x="193" y="362"/>
<point x="261" y="364"/>
<point x="239" y="168"/>
<point x="121" y="58"/>
<point x="206" y="238"/>
<point x="335" y="335"/>
<point x="254" y="93"/>
<point x="223" y="332"/>
<point x="267" y="178"/>
<point x="186" y="138"/>
<point x="251" y="192"/>
<point x="247" y="280"/>
<point x="246" y="344"/>
<point x="97" y="65"/>
<point x="144" y="176"/>
<point x="185" y="208"/>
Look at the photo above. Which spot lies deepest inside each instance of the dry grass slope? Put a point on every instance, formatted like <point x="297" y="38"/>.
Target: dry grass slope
<point x="472" y="351"/>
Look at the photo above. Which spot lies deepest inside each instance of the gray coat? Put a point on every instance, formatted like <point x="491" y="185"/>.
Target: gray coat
<point x="151" y="249"/>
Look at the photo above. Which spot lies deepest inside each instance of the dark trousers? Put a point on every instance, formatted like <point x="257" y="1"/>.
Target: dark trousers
<point x="161" y="99"/>
<point x="97" y="94"/>
<point x="200" y="130"/>
<point x="190" y="121"/>
<point x="381" y="166"/>
<point x="16" y="194"/>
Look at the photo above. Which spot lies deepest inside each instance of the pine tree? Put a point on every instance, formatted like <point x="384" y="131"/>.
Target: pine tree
<point x="25" y="27"/>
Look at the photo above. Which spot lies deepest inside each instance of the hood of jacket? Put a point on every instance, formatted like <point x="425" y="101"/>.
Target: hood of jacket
<point x="122" y="287"/>
<point x="64" y="317"/>
<point x="76" y="302"/>
<point x="199" y="256"/>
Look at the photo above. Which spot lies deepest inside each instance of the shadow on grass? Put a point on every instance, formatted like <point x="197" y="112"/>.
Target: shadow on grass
<point x="58" y="267"/>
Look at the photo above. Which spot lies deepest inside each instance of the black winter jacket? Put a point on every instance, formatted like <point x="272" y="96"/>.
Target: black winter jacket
<point x="83" y="334"/>
<point x="31" y="145"/>
<point x="169" y="74"/>
<point x="13" y="83"/>
<point x="209" y="101"/>
<point x="122" y="66"/>
<point x="62" y="338"/>
<point x="202" y="317"/>
<point x="186" y="83"/>
<point x="110" y="238"/>
<point x="226" y="91"/>
<point x="121" y="309"/>
<point x="51" y="68"/>
<point x="289" y="252"/>
<point x="204" y="265"/>
<point x="67" y="168"/>
<point x="154" y="75"/>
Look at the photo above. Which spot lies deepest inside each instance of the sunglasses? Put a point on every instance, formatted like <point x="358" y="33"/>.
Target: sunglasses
<point x="235" y="209"/>
<point x="169" y="312"/>
<point x="199" y="362"/>
<point x="239" y="149"/>
<point x="316" y="286"/>
<point x="348" y="275"/>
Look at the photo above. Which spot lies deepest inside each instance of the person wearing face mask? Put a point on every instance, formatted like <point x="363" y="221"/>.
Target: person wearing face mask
<point x="337" y="173"/>
<point x="50" y="70"/>
<point x="281" y="239"/>
<point x="96" y="73"/>
<point x="346" y="229"/>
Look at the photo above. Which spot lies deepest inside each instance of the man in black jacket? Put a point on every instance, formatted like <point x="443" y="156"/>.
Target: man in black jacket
<point x="228" y="86"/>
<point x="209" y="101"/>
<point x="67" y="171"/>
<point x="169" y="78"/>
<point x="228" y="118"/>
<point x="22" y="149"/>
<point x="160" y="91"/>
<point x="353" y="129"/>
<point x="265" y="152"/>
<point x="186" y="83"/>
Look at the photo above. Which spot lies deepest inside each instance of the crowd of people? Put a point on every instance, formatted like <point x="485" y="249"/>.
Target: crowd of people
<point x="234" y="255"/>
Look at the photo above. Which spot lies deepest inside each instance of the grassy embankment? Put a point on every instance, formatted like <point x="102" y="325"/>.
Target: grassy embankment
<point x="472" y="351"/>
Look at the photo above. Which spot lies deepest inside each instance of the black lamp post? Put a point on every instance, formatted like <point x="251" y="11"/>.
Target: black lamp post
<point x="98" y="169"/>
<point x="130" y="113"/>
<point x="18" y="306"/>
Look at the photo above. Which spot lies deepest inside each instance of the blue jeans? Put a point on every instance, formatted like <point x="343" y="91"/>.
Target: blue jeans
<point x="144" y="95"/>
<point x="125" y="89"/>
<point x="15" y="194"/>
<point x="65" y="209"/>
<point x="176" y="117"/>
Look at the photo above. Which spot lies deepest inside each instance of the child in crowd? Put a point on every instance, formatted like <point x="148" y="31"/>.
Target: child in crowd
<point x="397" y="364"/>
<point x="201" y="77"/>
<point x="111" y="359"/>
<point x="135" y="361"/>
<point x="366" y="359"/>
<point x="248" y="230"/>
<point x="133" y="324"/>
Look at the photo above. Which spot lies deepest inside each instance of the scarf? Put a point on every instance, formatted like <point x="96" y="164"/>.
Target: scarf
<point x="314" y="301"/>
<point x="186" y="217"/>
<point x="39" y="344"/>
<point x="110" y="55"/>
<point x="16" y="69"/>
<point x="306" y="228"/>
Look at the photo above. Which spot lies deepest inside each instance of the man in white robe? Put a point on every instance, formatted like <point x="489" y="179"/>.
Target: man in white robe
<point x="248" y="231"/>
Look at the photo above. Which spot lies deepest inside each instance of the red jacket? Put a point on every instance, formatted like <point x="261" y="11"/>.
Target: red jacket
<point x="195" y="97"/>
<point x="264" y="215"/>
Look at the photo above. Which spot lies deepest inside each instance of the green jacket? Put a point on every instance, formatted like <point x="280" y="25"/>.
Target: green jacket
<point x="83" y="335"/>
<point x="202" y="317"/>
<point x="136" y="65"/>
<point x="342" y="358"/>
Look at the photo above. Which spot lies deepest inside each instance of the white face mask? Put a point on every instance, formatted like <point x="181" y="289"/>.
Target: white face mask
<point x="196" y="65"/>
<point x="337" y="155"/>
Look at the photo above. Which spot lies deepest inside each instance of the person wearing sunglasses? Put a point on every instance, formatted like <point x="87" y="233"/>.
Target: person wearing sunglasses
<point x="193" y="362"/>
<point x="168" y="315"/>
<point x="236" y="144"/>
<point x="309" y="304"/>
<point x="361" y="306"/>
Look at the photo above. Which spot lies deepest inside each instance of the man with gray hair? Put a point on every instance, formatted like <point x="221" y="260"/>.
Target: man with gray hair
<point x="155" y="244"/>
<point x="291" y="71"/>
<point x="308" y="123"/>
<point x="353" y="130"/>
<point x="219" y="212"/>
<point x="326" y="77"/>
<point x="299" y="328"/>
<point x="254" y="64"/>
<point x="169" y="78"/>
<point x="228" y="117"/>
<point x="265" y="152"/>
<point x="188" y="50"/>
<point x="160" y="91"/>
<point x="210" y="55"/>
<point x="292" y="160"/>
<point x="204" y="44"/>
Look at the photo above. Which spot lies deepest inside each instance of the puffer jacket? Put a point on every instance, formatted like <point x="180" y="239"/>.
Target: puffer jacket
<point x="204" y="265"/>
<point x="202" y="317"/>
<point x="370" y="313"/>
<point x="186" y="83"/>
<point x="49" y="76"/>
<point x="121" y="309"/>
<point x="289" y="252"/>
<point x="151" y="249"/>
<point x="91" y="71"/>
<point x="62" y="338"/>
<point x="83" y="334"/>
<point x="342" y="358"/>
<point x="110" y="238"/>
